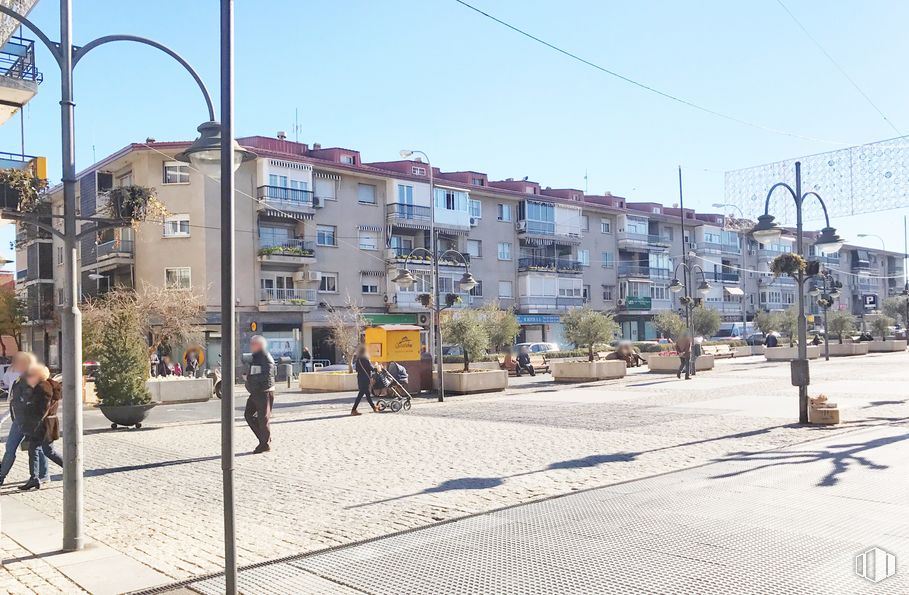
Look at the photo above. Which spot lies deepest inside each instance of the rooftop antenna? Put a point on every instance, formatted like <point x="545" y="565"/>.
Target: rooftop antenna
<point x="297" y="126"/>
<point x="585" y="180"/>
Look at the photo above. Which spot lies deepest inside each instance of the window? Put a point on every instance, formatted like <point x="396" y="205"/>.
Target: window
<point x="506" y="290"/>
<point x="636" y="225"/>
<point x="655" y="210"/>
<point x="608" y="261"/>
<point x="451" y="200"/>
<point x="366" y="194"/>
<point x="369" y="240"/>
<point x="405" y="194"/>
<point x="125" y="180"/>
<point x="605" y="226"/>
<point x="585" y="223"/>
<point x="504" y="250"/>
<point x="584" y="257"/>
<point x="348" y="159"/>
<point x="325" y="189"/>
<point x="59" y="254"/>
<point x="328" y="283"/>
<point x="503" y="212"/>
<point x="608" y="292"/>
<point x="369" y="285"/>
<point x="418" y="171"/>
<point x="176" y="172"/>
<point x="477" y="291"/>
<point x="476" y="209"/>
<point x="277" y="181"/>
<point x="667" y="233"/>
<point x="325" y="235"/>
<point x="176" y="226"/>
<point x="659" y="292"/>
<point x="177" y="278"/>
<point x="478" y="181"/>
<point x="61" y="297"/>
<point x="475" y="248"/>
<point x="570" y="288"/>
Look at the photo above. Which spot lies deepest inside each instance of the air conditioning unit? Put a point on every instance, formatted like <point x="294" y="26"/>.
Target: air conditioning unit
<point x="317" y="202"/>
<point x="313" y="276"/>
<point x="521" y="226"/>
<point x="620" y="302"/>
<point x="474" y="221"/>
<point x="300" y="277"/>
<point x="423" y="319"/>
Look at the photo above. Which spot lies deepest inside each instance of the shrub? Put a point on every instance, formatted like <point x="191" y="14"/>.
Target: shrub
<point x="585" y="327"/>
<point x="123" y="360"/>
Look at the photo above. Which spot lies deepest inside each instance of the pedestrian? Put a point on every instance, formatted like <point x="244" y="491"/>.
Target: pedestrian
<point x="164" y="367"/>
<point x="683" y="348"/>
<point x="260" y="382"/>
<point x="18" y="393"/>
<point x="771" y="340"/>
<point x="816" y="340"/>
<point x="154" y="361"/>
<point x="192" y="363"/>
<point x="364" y="369"/>
<point x="696" y="350"/>
<point x="306" y="356"/>
<point x="524" y="362"/>
<point x="178" y="369"/>
<point x="40" y="424"/>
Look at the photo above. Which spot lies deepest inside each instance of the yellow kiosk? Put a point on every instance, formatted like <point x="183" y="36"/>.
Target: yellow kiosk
<point x="393" y="342"/>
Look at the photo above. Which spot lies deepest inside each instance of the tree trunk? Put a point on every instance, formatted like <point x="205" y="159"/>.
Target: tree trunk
<point x="466" y="361"/>
<point x="590" y="352"/>
<point x="840" y="337"/>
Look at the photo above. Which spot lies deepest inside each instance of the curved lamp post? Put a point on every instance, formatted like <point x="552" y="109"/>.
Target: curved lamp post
<point x="677" y="285"/>
<point x="406" y="279"/>
<point x="767" y="230"/>
<point x="828" y="291"/>
<point x="211" y="156"/>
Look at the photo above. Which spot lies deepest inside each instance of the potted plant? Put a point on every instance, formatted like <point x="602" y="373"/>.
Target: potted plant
<point x="123" y="369"/>
<point x="470" y="330"/>
<point x="585" y="327"/>
<point x="787" y="263"/>
<point x="20" y="190"/>
<point x="425" y="299"/>
<point x="133" y="203"/>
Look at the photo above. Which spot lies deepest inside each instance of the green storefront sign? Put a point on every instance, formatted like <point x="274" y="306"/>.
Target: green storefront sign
<point x="390" y="318"/>
<point x="637" y="303"/>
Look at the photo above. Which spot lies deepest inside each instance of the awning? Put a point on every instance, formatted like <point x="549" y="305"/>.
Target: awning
<point x="734" y="290"/>
<point x="372" y="273"/>
<point x="296" y="215"/>
<point x="375" y="228"/>
<point x="326" y="175"/>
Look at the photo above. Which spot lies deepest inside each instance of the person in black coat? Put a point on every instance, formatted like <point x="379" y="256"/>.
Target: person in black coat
<point x="40" y="424"/>
<point x="364" y="369"/>
<point x="306" y="356"/>
<point x="260" y="382"/>
<point x="524" y="362"/>
<point x="164" y="368"/>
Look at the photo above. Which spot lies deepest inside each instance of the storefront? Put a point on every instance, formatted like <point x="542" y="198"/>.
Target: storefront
<point x="636" y="320"/>
<point x="543" y="328"/>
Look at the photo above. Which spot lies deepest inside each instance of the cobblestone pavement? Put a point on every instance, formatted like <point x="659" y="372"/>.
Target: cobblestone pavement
<point x="22" y="574"/>
<point x="154" y="494"/>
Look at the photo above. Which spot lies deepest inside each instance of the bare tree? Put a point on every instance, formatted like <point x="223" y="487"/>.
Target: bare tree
<point x="345" y="326"/>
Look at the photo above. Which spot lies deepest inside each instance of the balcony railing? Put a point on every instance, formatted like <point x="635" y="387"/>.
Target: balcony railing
<point x="422" y="257"/>
<point x="408" y="299"/>
<point x="633" y="270"/>
<point x="549" y="303"/>
<point x="114" y="248"/>
<point x="543" y="228"/>
<point x="548" y="264"/>
<point x="406" y="212"/>
<point x="289" y="197"/>
<point x="643" y="240"/>
<point x="723" y="277"/>
<point x="289" y="296"/>
<point x="17" y="60"/>
<point x="715" y="248"/>
<point x="292" y="247"/>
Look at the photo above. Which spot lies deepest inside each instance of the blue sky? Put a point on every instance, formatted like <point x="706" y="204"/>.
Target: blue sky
<point x="379" y="76"/>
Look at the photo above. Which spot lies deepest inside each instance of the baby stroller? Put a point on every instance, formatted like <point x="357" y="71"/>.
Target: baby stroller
<point x="388" y="387"/>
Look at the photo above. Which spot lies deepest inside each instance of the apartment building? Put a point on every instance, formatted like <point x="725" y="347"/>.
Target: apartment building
<point x="318" y="228"/>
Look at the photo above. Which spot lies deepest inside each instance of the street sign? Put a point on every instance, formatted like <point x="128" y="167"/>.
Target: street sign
<point x="870" y="301"/>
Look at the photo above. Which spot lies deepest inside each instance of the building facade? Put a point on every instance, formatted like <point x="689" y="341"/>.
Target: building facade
<point x="317" y="229"/>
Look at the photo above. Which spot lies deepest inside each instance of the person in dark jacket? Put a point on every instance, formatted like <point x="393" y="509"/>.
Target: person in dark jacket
<point x="40" y="423"/>
<point x="364" y="369"/>
<point x="771" y="340"/>
<point x="164" y="368"/>
<point x="524" y="362"/>
<point x="260" y="382"/>
<point x="18" y="391"/>
<point x="683" y="348"/>
<point x="306" y="356"/>
<point x="192" y="363"/>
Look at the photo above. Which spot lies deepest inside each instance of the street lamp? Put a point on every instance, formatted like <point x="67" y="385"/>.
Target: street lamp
<point x="828" y="291"/>
<point x="767" y="230"/>
<point x="205" y="152"/>
<point x="405" y="279"/>
<point x="677" y="285"/>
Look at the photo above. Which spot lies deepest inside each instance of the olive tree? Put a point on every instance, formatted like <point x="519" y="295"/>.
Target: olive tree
<point x="501" y="325"/>
<point x="705" y="322"/>
<point x="467" y="329"/>
<point x="787" y="322"/>
<point x="585" y="327"/>
<point x="765" y="322"/>
<point x="669" y="324"/>
<point x="840" y="323"/>
<point x="881" y="325"/>
<point x="895" y="307"/>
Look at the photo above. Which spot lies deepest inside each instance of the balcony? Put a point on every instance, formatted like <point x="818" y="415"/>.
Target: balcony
<point x="293" y="251"/>
<point x="726" y="307"/>
<point x="531" y="304"/>
<point x="110" y="255"/>
<point x="288" y="300"/>
<point x="713" y="248"/>
<point x="642" y="241"/>
<point x="422" y="258"/>
<point x="19" y="78"/>
<point x="420" y="217"/>
<point x="635" y="271"/>
<point x="549" y="264"/>
<point x="280" y="198"/>
<point x="406" y="301"/>
<point x="723" y="277"/>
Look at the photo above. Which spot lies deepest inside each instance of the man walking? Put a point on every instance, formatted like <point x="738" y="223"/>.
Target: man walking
<point x="260" y="382"/>
<point x="683" y="348"/>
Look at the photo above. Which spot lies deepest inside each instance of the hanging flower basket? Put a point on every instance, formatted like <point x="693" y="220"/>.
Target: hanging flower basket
<point x="787" y="264"/>
<point x="134" y="203"/>
<point x="824" y="303"/>
<point x="425" y="299"/>
<point x="685" y="300"/>
<point x="451" y="299"/>
<point x="20" y="190"/>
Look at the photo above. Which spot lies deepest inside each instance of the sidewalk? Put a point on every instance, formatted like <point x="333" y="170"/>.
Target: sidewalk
<point x="785" y="521"/>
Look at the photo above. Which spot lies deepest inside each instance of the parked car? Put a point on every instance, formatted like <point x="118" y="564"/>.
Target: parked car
<point x="756" y="339"/>
<point x="538" y="347"/>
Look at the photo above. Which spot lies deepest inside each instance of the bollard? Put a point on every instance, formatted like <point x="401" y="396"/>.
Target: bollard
<point x="289" y="372"/>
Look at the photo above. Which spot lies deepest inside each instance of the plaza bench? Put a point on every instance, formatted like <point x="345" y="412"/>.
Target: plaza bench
<point x="539" y="363"/>
<point x="718" y="351"/>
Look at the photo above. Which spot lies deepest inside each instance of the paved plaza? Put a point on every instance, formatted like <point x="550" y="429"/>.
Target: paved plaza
<point x="716" y="461"/>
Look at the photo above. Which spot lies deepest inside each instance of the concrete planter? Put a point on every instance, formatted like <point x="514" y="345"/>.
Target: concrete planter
<point x="787" y="354"/>
<point x="741" y="351"/>
<point x="837" y="350"/>
<point x="328" y="382"/>
<point x="480" y="381"/>
<point x="587" y="371"/>
<point x="666" y="364"/>
<point x="179" y="390"/>
<point x="757" y="349"/>
<point x="473" y="366"/>
<point x="887" y="346"/>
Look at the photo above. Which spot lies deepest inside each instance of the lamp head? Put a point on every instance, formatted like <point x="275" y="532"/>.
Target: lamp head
<point x="828" y="242"/>
<point x="704" y="288"/>
<point x="675" y="286"/>
<point x="467" y="281"/>
<point x="835" y="293"/>
<point x="205" y="152"/>
<point x="404" y="279"/>
<point x="406" y="153"/>
<point x="813" y="290"/>
<point x="766" y="230"/>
